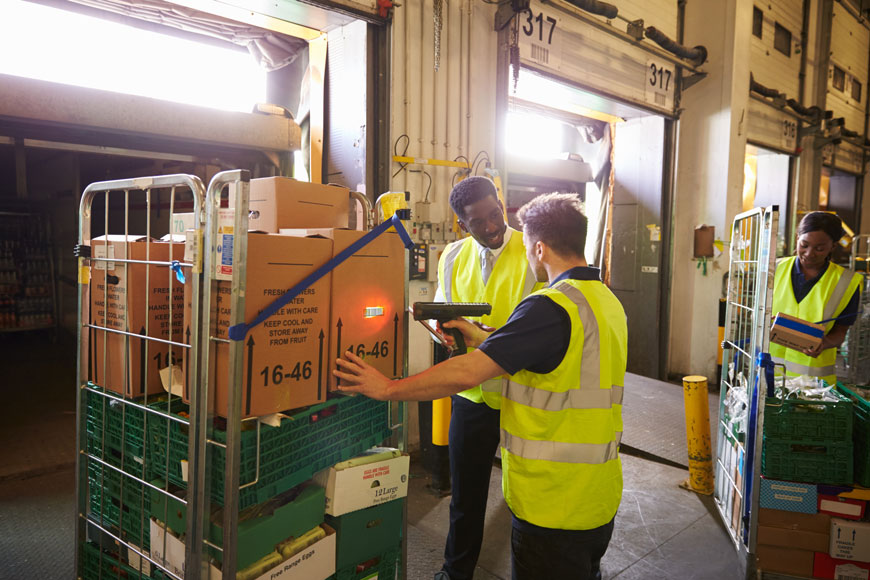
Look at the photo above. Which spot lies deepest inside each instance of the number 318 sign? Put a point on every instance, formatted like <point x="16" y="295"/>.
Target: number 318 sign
<point x="659" y="84"/>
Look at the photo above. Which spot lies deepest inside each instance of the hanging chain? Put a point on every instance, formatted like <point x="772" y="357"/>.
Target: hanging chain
<point x="438" y="14"/>
<point x="515" y="51"/>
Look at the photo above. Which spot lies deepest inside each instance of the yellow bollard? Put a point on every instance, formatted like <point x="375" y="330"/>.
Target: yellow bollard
<point x="695" y="399"/>
<point x="441" y="409"/>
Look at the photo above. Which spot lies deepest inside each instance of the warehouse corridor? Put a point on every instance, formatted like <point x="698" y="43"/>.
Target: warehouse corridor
<point x="662" y="531"/>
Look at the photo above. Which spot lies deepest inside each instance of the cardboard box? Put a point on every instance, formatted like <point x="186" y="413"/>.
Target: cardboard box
<point x="281" y="202"/>
<point x="850" y="540"/>
<point x="788" y="496"/>
<point x="362" y="486"/>
<point x="852" y="509"/>
<point x="285" y="358"/>
<point x="831" y="568"/>
<point x="794" y="530"/>
<point x="792" y="332"/>
<point x="783" y="560"/>
<point x="316" y="562"/>
<point x="119" y="292"/>
<point x="368" y="300"/>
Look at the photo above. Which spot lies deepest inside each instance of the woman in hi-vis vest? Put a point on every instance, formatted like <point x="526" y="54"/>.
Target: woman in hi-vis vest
<point x="811" y="287"/>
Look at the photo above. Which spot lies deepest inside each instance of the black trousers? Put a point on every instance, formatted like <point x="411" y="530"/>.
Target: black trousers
<point x="548" y="554"/>
<point x="474" y="436"/>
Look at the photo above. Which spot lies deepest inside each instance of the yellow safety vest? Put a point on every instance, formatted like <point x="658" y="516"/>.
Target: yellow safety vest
<point x="560" y="431"/>
<point x="827" y="299"/>
<point x="511" y="280"/>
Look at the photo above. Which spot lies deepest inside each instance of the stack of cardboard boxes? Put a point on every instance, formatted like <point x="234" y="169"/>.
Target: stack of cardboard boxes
<point x="294" y="229"/>
<point x="813" y="531"/>
<point x="133" y="298"/>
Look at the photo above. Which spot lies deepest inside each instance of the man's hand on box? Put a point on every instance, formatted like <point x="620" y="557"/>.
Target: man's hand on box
<point x="359" y="377"/>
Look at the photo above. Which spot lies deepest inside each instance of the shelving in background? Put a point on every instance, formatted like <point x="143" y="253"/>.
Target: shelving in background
<point x="27" y="300"/>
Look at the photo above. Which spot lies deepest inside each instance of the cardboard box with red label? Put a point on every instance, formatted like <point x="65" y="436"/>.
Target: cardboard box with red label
<point x="365" y="481"/>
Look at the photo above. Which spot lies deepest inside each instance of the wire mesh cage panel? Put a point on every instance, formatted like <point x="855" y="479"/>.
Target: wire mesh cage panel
<point x="175" y="473"/>
<point x="750" y="290"/>
<point x="853" y="356"/>
<point x="134" y="341"/>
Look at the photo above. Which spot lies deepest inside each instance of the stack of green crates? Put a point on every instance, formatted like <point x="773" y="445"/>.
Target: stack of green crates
<point x="808" y="441"/>
<point x="154" y="448"/>
<point x="306" y="442"/>
<point x="860" y="434"/>
<point x="116" y="435"/>
<point x="98" y="564"/>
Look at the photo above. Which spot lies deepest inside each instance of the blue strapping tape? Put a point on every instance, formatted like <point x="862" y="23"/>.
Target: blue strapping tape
<point x="800" y="327"/>
<point x="176" y="267"/>
<point x="239" y="331"/>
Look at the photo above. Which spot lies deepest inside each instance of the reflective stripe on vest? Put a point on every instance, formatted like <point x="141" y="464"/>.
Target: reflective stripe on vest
<point x="827" y="299"/>
<point x="511" y="280"/>
<point x="448" y="260"/>
<point x="561" y="430"/>
<point x="836" y="296"/>
<point x="571" y="399"/>
<point x="561" y="452"/>
<point x="799" y="369"/>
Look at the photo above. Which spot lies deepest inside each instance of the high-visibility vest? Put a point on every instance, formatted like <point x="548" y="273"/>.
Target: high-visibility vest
<point x="560" y="431"/>
<point x="511" y="280"/>
<point x="826" y="300"/>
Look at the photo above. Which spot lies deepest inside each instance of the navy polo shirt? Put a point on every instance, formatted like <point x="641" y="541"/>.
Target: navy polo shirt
<point x="802" y="286"/>
<point x="536" y="336"/>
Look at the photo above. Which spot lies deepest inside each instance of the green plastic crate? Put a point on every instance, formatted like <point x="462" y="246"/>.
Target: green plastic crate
<point x="94" y="563"/>
<point x="808" y="461"/>
<point x="306" y="442"/>
<point x="860" y="435"/>
<point x="260" y="528"/>
<point x="382" y="567"/>
<point x="800" y="420"/>
<point x="124" y="512"/>
<point x="110" y="422"/>
<point x="365" y="534"/>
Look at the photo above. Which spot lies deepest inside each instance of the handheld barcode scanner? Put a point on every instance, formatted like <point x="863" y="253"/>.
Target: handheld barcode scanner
<point x="444" y="311"/>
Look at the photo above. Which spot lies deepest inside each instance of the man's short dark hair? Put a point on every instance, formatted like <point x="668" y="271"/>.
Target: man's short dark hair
<point x="556" y="219"/>
<point x="471" y="190"/>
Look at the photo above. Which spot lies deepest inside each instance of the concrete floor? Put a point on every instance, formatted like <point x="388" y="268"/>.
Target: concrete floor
<point x="662" y="531"/>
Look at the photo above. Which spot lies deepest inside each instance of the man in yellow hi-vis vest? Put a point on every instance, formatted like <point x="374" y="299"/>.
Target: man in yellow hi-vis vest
<point x="565" y="349"/>
<point x="488" y="266"/>
<point x="812" y="288"/>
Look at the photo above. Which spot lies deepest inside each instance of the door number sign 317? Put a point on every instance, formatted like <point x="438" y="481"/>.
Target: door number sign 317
<point x="659" y="85"/>
<point x="540" y="38"/>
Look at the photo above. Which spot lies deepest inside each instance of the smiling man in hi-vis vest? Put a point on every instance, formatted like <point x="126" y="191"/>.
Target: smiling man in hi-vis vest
<point x="488" y="266"/>
<point x="565" y="349"/>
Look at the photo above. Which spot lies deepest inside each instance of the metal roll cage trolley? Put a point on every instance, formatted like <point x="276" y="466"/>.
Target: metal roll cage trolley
<point x="746" y="378"/>
<point x="122" y="441"/>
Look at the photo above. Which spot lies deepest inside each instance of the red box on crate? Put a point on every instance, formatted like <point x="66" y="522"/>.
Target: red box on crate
<point x="826" y="567"/>
<point x="842" y="507"/>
